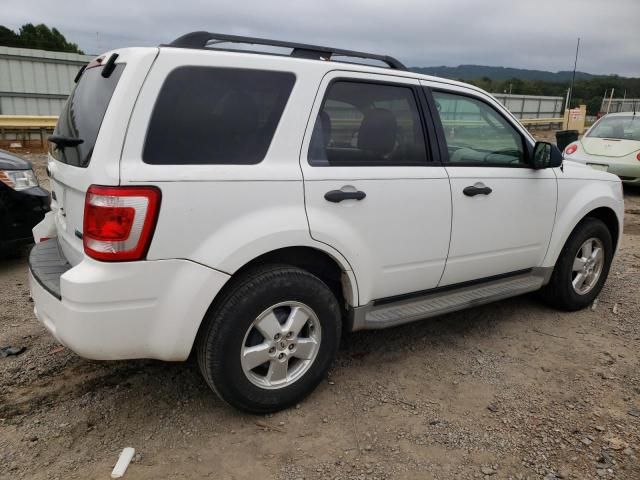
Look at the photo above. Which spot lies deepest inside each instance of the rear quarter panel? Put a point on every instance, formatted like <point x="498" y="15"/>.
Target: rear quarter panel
<point x="224" y="216"/>
<point x="70" y="183"/>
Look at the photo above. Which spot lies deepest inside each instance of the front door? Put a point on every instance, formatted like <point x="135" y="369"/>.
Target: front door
<point x="373" y="189"/>
<point x="503" y="210"/>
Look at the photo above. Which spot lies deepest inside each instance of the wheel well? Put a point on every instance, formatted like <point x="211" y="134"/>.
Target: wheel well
<point x="609" y="218"/>
<point x="317" y="262"/>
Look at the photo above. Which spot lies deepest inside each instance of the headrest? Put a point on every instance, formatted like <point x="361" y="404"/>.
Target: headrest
<point x="378" y="131"/>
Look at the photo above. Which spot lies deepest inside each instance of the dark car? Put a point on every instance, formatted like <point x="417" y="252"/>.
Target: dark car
<point x="23" y="203"/>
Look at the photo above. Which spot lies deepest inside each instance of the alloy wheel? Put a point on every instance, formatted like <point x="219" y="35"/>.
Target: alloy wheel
<point x="587" y="266"/>
<point x="280" y="345"/>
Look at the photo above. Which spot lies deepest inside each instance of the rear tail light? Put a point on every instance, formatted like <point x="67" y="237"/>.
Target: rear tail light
<point x="638" y="157"/>
<point x="119" y="222"/>
<point x="571" y="149"/>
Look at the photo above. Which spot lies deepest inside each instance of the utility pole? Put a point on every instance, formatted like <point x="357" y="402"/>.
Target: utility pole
<point x="573" y="77"/>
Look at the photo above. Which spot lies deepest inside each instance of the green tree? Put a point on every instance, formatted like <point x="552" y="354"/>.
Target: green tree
<point x="515" y="86"/>
<point x="588" y="91"/>
<point x="9" y="38"/>
<point x="37" y="36"/>
<point x="593" y="105"/>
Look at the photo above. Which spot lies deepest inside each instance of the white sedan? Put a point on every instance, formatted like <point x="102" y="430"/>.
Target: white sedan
<point x="611" y="144"/>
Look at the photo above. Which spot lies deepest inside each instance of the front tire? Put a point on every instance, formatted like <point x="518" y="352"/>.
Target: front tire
<point x="582" y="267"/>
<point x="271" y="338"/>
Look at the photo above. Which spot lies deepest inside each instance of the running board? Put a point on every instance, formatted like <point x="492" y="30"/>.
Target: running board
<point x="374" y="316"/>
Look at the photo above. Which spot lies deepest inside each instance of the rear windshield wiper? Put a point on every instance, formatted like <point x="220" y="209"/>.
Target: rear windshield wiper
<point x="62" y="141"/>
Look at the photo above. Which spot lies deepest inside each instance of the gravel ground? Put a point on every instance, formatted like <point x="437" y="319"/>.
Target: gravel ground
<point x="509" y="390"/>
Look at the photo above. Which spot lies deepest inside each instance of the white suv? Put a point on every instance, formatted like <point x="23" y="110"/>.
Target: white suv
<point x="251" y="207"/>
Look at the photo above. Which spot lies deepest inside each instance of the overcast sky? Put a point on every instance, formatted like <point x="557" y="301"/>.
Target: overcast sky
<point x="536" y="34"/>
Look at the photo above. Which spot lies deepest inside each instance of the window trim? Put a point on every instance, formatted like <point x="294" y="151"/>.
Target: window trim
<point x="432" y="156"/>
<point x="442" y="141"/>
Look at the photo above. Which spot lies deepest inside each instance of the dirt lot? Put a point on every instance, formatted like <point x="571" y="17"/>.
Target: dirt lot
<point x="509" y="390"/>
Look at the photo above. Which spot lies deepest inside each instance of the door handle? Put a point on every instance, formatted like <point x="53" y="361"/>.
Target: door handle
<point x="336" y="196"/>
<point x="472" y="190"/>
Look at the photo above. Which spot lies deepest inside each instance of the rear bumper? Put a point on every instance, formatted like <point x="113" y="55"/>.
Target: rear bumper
<point x="630" y="180"/>
<point x="629" y="172"/>
<point x="113" y="311"/>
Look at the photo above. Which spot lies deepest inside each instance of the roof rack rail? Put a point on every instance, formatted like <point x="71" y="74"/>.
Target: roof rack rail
<point x="300" y="50"/>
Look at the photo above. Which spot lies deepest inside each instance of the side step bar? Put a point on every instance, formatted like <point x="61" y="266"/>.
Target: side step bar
<point x="374" y="316"/>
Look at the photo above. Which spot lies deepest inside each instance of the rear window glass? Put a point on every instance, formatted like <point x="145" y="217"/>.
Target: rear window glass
<point x="207" y="115"/>
<point x="617" y="127"/>
<point x="82" y="115"/>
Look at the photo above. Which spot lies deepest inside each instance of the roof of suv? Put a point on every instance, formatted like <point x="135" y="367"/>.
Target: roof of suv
<point x="209" y="41"/>
<point x="300" y="50"/>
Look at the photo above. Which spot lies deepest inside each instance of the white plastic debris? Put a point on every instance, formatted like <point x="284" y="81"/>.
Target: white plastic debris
<point x="123" y="462"/>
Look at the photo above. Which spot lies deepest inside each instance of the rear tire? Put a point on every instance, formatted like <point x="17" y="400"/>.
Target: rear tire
<point x="580" y="272"/>
<point x="270" y="340"/>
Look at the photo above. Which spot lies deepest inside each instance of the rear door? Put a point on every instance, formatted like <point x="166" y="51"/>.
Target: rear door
<point x="374" y="189"/>
<point x="96" y="115"/>
<point x="503" y="210"/>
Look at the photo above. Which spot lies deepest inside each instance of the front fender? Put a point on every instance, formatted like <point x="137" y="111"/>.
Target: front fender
<point x="576" y="199"/>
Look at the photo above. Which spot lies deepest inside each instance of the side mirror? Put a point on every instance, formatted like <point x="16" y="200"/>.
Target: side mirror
<point x="546" y="155"/>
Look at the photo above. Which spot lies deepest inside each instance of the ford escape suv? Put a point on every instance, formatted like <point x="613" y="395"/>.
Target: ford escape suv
<point x="253" y="206"/>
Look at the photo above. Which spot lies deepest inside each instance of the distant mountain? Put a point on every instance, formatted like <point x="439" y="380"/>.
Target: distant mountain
<point x="473" y="72"/>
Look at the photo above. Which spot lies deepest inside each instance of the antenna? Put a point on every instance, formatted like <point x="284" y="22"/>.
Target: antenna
<point x="573" y="77"/>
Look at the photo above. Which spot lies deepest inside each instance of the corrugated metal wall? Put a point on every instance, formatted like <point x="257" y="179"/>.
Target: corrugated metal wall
<point x="531" y="106"/>
<point x="620" y="105"/>
<point x="36" y="82"/>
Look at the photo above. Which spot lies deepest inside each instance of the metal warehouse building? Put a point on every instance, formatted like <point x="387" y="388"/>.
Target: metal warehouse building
<point x="615" y="105"/>
<point x="36" y="82"/>
<point x="531" y="106"/>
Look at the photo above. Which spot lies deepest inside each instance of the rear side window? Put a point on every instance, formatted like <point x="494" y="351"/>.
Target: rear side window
<point x="368" y="124"/>
<point x="82" y="115"/>
<point x="207" y="115"/>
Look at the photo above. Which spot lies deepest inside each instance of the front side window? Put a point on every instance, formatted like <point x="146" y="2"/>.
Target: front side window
<point x="367" y="124"/>
<point x="617" y="127"/>
<point x="476" y="134"/>
<point x="207" y="115"/>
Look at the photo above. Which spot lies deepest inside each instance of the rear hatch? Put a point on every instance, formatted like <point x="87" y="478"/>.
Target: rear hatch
<point x="88" y="139"/>
<point x="609" y="147"/>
